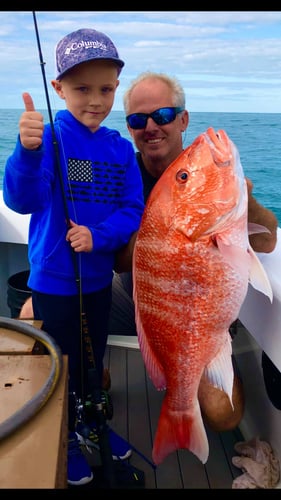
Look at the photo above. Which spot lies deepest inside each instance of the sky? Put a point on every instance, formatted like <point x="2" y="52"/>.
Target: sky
<point x="226" y="61"/>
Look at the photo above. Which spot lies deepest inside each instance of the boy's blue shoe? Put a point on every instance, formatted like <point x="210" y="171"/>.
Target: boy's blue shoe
<point x="87" y="436"/>
<point x="78" y="469"/>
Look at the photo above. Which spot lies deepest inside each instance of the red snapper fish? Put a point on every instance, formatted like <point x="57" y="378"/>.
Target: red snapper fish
<point x="192" y="264"/>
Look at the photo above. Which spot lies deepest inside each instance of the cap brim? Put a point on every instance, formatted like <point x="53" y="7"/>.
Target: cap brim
<point x="118" y="62"/>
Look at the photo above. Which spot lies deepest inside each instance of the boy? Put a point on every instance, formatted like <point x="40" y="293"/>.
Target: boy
<point x="82" y="211"/>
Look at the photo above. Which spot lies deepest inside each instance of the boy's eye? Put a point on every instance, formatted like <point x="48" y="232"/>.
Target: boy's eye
<point x="105" y="90"/>
<point x="82" y="89"/>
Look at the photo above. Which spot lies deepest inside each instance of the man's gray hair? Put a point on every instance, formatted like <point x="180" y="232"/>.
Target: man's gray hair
<point x="172" y="82"/>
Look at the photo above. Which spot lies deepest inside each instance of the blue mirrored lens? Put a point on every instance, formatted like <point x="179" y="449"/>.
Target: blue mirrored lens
<point x="163" y="115"/>
<point x="160" y="116"/>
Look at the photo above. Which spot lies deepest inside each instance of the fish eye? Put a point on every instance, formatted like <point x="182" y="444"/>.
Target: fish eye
<point x="182" y="176"/>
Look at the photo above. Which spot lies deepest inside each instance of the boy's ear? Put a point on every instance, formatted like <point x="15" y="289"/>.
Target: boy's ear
<point x="56" y="84"/>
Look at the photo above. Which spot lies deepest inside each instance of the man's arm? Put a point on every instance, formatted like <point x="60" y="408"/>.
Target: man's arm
<point x="261" y="242"/>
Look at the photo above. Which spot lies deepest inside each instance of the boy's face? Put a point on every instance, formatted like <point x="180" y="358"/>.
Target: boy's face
<point x="88" y="90"/>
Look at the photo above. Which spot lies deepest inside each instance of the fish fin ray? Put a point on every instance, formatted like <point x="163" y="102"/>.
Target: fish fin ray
<point x="258" y="277"/>
<point x="219" y="371"/>
<point x="254" y="228"/>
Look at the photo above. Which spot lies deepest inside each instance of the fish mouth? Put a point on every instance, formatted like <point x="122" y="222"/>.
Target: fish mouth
<point x="215" y="140"/>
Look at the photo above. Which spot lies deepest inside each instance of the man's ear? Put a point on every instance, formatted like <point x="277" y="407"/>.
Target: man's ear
<point x="184" y="120"/>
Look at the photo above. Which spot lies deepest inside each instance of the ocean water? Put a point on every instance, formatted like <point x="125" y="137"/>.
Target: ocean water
<point x="257" y="136"/>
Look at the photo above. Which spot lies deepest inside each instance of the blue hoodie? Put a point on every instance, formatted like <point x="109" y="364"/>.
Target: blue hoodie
<point x="103" y="190"/>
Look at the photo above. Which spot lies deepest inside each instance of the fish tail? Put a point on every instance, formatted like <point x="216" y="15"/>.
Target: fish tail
<point x="178" y="430"/>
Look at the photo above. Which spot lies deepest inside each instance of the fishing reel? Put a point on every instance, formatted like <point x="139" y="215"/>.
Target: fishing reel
<point x="90" y="407"/>
<point x="89" y="410"/>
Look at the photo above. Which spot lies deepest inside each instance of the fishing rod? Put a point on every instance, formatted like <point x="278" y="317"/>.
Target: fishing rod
<point x="59" y="170"/>
<point x="93" y="380"/>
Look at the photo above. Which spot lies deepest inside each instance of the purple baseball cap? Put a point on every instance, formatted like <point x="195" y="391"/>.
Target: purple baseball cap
<point x="84" y="45"/>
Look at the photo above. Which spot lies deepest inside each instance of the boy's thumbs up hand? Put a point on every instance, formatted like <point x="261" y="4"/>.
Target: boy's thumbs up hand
<point x="31" y="124"/>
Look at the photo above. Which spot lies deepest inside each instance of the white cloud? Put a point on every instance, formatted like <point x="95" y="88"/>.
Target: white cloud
<point x="227" y="61"/>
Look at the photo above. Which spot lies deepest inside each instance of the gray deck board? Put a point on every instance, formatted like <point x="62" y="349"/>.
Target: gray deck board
<point x="137" y="405"/>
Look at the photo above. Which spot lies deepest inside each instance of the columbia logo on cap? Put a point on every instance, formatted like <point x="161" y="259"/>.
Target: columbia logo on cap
<point x="86" y="45"/>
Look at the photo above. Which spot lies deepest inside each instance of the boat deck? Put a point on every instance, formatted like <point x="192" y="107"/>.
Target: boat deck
<point x="136" y="408"/>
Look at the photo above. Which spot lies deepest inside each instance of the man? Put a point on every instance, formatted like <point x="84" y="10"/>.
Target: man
<point x="158" y="138"/>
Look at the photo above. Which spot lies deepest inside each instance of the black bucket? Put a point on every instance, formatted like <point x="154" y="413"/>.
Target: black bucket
<point x="17" y="293"/>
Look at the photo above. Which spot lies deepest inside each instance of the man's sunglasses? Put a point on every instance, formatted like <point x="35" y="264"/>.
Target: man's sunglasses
<point x="161" y="116"/>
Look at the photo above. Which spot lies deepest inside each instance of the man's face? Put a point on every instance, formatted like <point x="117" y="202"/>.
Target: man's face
<point x="159" y="143"/>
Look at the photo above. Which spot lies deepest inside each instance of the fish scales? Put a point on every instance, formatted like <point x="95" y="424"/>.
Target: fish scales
<point x="191" y="269"/>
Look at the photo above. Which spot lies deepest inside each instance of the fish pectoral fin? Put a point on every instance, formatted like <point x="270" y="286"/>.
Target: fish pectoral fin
<point x="258" y="277"/>
<point x="246" y="261"/>
<point x="237" y="257"/>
